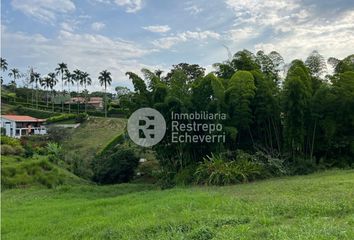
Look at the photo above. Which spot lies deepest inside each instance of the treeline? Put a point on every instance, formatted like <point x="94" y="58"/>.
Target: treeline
<point x="34" y="84"/>
<point x="303" y="117"/>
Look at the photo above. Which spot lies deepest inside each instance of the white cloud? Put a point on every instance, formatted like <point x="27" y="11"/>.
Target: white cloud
<point x="44" y="10"/>
<point x="242" y="34"/>
<point x="168" y="42"/>
<point x="158" y="28"/>
<point x="331" y="38"/>
<point x="97" y="26"/>
<point x="193" y="9"/>
<point x="291" y="28"/>
<point x="131" y="6"/>
<point x="88" y="52"/>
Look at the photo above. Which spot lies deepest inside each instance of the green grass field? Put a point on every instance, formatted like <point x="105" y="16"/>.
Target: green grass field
<point x="318" y="206"/>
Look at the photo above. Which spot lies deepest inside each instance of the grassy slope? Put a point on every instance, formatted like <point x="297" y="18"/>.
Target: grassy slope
<point x="93" y="135"/>
<point x="22" y="172"/>
<point x="318" y="206"/>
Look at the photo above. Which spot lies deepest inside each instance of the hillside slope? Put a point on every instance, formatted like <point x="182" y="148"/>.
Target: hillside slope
<point x="93" y="135"/>
<point x="318" y="206"/>
<point x="37" y="171"/>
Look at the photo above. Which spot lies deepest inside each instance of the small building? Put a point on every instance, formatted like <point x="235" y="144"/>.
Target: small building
<point x="18" y="125"/>
<point x="96" y="102"/>
<point x="75" y="100"/>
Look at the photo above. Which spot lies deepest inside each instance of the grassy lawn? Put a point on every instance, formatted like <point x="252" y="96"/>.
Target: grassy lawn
<point x="93" y="135"/>
<point x="318" y="206"/>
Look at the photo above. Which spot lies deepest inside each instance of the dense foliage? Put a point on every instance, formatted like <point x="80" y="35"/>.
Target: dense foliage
<point x="305" y="119"/>
<point x="115" y="166"/>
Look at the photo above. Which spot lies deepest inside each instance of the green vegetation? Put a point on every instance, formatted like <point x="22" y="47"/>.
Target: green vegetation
<point x="318" y="206"/>
<point x="22" y="172"/>
<point x="83" y="144"/>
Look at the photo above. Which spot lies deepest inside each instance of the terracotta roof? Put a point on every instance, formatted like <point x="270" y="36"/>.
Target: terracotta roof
<point x="21" y="118"/>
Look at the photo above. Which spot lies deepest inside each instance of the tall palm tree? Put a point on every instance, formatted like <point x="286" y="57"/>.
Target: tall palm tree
<point x="53" y="82"/>
<point x="62" y="67"/>
<point x="15" y="74"/>
<point x="69" y="80"/>
<point x="105" y="79"/>
<point x="36" y="80"/>
<point x="3" y="66"/>
<point x="85" y="80"/>
<point x="46" y="83"/>
<point x="77" y="77"/>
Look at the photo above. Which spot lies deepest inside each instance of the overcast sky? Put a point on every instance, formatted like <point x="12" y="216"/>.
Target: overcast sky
<point x="127" y="35"/>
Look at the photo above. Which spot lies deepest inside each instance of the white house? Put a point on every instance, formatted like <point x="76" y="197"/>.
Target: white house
<point x="17" y="125"/>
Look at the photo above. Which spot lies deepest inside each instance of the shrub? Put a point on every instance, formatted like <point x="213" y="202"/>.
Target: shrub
<point x="148" y="170"/>
<point x="215" y="170"/>
<point x="54" y="152"/>
<point x="12" y="150"/>
<point x="10" y="141"/>
<point x="115" y="166"/>
<point x="61" y="117"/>
<point x="81" y="117"/>
<point x="58" y="134"/>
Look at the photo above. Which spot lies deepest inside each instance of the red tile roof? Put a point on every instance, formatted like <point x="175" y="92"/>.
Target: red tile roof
<point x="21" y="118"/>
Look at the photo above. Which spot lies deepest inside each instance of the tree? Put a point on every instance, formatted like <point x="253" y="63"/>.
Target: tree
<point x="36" y="80"/>
<point x="15" y="74"/>
<point x="3" y="67"/>
<point x="316" y="64"/>
<point x="105" y="80"/>
<point x="85" y="80"/>
<point x="69" y="80"/>
<point x="192" y="71"/>
<point x="239" y="95"/>
<point x="62" y="67"/>
<point x="46" y="83"/>
<point x="53" y="82"/>
<point x="121" y="91"/>
<point x="3" y="64"/>
<point x="77" y="76"/>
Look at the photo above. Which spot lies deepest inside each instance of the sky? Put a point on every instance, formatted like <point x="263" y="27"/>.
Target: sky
<point x="128" y="35"/>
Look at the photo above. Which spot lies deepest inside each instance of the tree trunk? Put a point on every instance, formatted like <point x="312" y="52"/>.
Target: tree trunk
<point x="105" y="101"/>
<point x="62" y="91"/>
<point x="32" y="95"/>
<point x="313" y="138"/>
<point x="85" y="99"/>
<point x="52" y="100"/>
<point x="69" y="97"/>
<point x="78" y="104"/>
<point x="36" y="96"/>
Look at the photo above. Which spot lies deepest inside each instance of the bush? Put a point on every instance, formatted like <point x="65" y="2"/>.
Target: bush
<point x="61" y="117"/>
<point x="10" y="141"/>
<point x="34" y="112"/>
<point x="58" y="134"/>
<point x="54" y="152"/>
<point x="215" y="170"/>
<point x="115" y="166"/>
<point x="81" y="117"/>
<point x="12" y="150"/>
